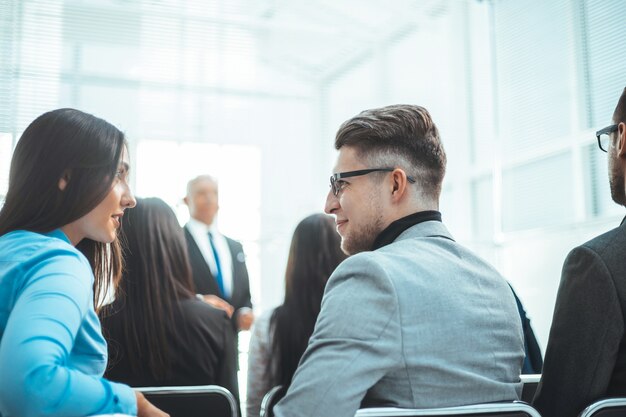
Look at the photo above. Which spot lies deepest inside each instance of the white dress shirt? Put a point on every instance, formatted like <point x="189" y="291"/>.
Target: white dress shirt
<point x="200" y="233"/>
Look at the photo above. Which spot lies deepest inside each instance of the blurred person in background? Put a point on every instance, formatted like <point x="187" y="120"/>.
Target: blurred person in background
<point x="159" y="333"/>
<point x="218" y="263"/>
<point x="280" y="336"/>
<point x="533" y="360"/>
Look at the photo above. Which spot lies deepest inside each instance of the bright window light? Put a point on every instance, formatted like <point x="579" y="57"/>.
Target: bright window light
<point x="164" y="168"/>
<point x="6" y="149"/>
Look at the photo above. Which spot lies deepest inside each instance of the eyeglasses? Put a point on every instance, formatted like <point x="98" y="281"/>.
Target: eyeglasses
<point x="604" y="135"/>
<point x="336" y="183"/>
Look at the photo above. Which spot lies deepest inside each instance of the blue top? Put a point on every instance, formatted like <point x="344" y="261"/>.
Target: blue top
<point x="52" y="353"/>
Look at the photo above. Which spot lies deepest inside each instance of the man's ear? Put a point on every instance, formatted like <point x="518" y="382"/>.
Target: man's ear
<point x="64" y="180"/>
<point x="621" y="140"/>
<point x="399" y="184"/>
<point x="186" y="201"/>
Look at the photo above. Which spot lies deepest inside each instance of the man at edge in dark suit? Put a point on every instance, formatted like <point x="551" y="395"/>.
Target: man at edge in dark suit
<point x="586" y="355"/>
<point x="218" y="262"/>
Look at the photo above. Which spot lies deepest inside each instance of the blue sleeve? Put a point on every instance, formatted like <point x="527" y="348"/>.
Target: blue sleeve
<point x="39" y="337"/>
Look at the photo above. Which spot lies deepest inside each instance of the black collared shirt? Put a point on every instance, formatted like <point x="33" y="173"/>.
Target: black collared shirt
<point x="397" y="227"/>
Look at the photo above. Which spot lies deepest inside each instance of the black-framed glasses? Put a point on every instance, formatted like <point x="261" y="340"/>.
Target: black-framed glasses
<point x="336" y="183"/>
<point x="604" y="136"/>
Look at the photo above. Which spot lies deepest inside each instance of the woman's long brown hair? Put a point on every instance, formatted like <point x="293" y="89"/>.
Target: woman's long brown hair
<point x="314" y="254"/>
<point x="157" y="275"/>
<point x="65" y="143"/>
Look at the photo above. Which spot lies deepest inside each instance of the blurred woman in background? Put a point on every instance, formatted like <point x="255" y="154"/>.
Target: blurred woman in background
<point x="280" y="336"/>
<point x="159" y="333"/>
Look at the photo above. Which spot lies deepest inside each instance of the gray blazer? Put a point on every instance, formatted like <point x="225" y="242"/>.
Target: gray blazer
<point x="421" y="322"/>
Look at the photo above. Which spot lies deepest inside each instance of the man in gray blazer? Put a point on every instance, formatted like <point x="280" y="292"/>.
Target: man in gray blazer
<point x="586" y="355"/>
<point x="412" y="318"/>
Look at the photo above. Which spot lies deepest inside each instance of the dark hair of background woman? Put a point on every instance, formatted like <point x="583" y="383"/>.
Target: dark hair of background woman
<point x="314" y="254"/>
<point x="156" y="276"/>
<point x="86" y="151"/>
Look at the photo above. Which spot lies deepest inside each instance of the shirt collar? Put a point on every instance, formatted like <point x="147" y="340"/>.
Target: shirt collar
<point x="396" y="228"/>
<point x="58" y="233"/>
<point x="202" y="227"/>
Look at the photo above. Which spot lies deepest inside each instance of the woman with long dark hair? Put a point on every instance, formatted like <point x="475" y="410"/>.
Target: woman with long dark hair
<point x="280" y="336"/>
<point x="68" y="190"/>
<point x="159" y="333"/>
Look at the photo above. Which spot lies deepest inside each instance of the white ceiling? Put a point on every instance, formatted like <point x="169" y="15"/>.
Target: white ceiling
<point x="312" y="40"/>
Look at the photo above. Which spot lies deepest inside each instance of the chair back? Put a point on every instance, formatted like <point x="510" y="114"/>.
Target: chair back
<point x="502" y="409"/>
<point x="531" y="382"/>
<point x="611" y="407"/>
<point x="270" y="399"/>
<point x="192" y="401"/>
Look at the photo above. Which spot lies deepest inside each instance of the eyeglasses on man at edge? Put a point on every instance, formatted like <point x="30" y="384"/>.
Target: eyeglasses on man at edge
<point x="335" y="179"/>
<point x="604" y="136"/>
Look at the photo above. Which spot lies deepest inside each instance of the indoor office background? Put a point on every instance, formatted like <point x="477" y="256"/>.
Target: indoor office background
<point x="252" y="91"/>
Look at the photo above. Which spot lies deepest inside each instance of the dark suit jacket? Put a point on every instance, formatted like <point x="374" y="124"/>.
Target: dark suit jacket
<point x="205" y="282"/>
<point x="203" y="354"/>
<point x="533" y="361"/>
<point x="586" y="354"/>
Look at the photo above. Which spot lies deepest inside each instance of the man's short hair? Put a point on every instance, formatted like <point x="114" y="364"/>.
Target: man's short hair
<point x="403" y="136"/>
<point x="198" y="179"/>
<point x="620" y="110"/>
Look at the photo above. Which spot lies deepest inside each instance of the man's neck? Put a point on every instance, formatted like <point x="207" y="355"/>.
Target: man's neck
<point x="395" y="228"/>
<point x="199" y="223"/>
<point x="407" y="210"/>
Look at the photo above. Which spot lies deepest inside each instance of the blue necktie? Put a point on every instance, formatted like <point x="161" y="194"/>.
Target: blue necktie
<point x="218" y="275"/>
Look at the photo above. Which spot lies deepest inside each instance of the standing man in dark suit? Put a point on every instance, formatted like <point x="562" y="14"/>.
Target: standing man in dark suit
<point x="218" y="262"/>
<point x="586" y="355"/>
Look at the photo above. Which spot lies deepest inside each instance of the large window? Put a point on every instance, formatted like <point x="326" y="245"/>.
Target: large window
<point x="191" y="76"/>
<point x="163" y="169"/>
<point x="556" y="80"/>
<point x="517" y="89"/>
